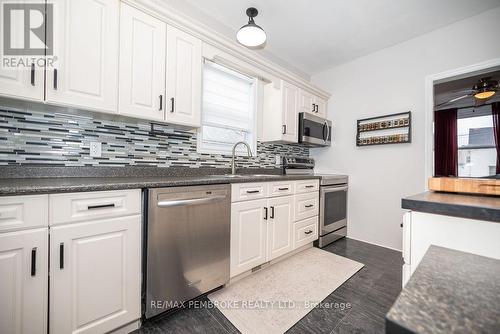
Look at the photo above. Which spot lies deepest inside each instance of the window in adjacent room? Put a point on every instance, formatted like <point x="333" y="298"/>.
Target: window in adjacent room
<point x="228" y="110"/>
<point x="477" y="154"/>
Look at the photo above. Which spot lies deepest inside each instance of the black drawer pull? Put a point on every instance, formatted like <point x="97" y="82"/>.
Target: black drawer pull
<point x="33" y="262"/>
<point x="272" y="212"/>
<point x="172" y="104"/>
<point x="265" y="213"/>
<point x="284" y="129"/>
<point x="100" y="206"/>
<point x="308" y="232"/>
<point x="161" y="102"/>
<point x="309" y="186"/>
<point x="282" y="188"/>
<point x="309" y="205"/>
<point x="61" y="255"/>
<point x="253" y="191"/>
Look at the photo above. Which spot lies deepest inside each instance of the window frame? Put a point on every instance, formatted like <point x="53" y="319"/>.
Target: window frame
<point x="203" y="147"/>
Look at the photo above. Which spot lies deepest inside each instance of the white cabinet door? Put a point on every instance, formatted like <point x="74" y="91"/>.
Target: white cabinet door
<point x="20" y="82"/>
<point x="95" y="283"/>
<point x="321" y="105"/>
<point x="86" y="43"/>
<point x="183" y="78"/>
<point x="142" y="64"/>
<point x="306" y="101"/>
<point x="248" y="235"/>
<point x="23" y="281"/>
<point x="279" y="231"/>
<point x="290" y="112"/>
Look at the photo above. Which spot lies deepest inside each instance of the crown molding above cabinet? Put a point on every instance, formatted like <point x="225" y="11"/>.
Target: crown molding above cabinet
<point x="210" y="36"/>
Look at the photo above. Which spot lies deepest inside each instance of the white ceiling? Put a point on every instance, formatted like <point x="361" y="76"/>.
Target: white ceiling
<point x="314" y="35"/>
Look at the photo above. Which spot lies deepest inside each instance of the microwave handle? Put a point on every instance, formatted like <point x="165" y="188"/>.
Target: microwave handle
<point x="325" y="137"/>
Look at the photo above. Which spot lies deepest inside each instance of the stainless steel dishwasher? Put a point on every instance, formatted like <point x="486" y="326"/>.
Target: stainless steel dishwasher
<point x="188" y="237"/>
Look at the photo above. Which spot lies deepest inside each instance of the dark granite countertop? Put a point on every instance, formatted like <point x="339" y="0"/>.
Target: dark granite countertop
<point x="450" y="292"/>
<point x="24" y="186"/>
<point x="457" y="205"/>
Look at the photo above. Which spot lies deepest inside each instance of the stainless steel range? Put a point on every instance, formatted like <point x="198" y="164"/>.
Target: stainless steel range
<point x="333" y="199"/>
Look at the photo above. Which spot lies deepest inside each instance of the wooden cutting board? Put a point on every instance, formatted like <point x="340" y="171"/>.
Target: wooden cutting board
<point x="465" y="185"/>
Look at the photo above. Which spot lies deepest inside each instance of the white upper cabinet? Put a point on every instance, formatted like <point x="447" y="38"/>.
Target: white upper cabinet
<point x="22" y="82"/>
<point x="321" y="107"/>
<point x="24" y="281"/>
<point x="142" y="64"/>
<point x="306" y="101"/>
<point x="280" y="116"/>
<point x="312" y="104"/>
<point x="86" y="41"/>
<point x="184" y="60"/>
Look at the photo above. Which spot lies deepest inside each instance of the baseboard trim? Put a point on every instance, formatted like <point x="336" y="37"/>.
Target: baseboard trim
<point x="369" y="242"/>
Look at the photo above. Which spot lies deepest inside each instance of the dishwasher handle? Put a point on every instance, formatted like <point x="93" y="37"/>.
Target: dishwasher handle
<point x="194" y="201"/>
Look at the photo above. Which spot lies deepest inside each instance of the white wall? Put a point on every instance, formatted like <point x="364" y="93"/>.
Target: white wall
<point x="391" y="81"/>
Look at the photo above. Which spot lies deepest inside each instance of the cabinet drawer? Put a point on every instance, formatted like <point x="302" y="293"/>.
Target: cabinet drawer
<point x="306" y="205"/>
<point x="75" y="207"/>
<point x="21" y="212"/>
<point x="305" y="231"/>
<point x="248" y="191"/>
<point x="305" y="186"/>
<point x="281" y="188"/>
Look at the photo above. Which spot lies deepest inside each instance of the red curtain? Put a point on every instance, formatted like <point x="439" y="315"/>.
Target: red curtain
<point x="495" y="112"/>
<point x="446" y="143"/>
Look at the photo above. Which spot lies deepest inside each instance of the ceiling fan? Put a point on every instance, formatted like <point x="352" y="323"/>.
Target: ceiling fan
<point x="482" y="91"/>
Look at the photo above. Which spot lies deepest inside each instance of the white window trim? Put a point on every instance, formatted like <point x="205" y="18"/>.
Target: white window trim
<point x="253" y="142"/>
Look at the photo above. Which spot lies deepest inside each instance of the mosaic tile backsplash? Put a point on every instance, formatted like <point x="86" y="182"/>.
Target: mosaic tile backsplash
<point x="42" y="138"/>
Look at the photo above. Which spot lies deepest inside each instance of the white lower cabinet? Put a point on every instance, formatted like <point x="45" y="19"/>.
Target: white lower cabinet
<point x="279" y="227"/>
<point x="95" y="275"/>
<point x="248" y="235"/>
<point x="23" y="281"/>
<point x="266" y="228"/>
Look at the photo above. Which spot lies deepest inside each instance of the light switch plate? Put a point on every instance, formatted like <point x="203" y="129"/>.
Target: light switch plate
<point x="95" y="149"/>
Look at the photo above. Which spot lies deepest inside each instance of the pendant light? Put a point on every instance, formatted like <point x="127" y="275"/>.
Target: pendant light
<point x="251" y="35"/>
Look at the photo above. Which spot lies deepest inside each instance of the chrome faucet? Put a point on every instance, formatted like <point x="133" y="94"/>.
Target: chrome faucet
<point x="233" y="164"/>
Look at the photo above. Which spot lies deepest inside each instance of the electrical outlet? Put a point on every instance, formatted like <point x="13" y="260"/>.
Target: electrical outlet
<point x="95" y="149"/>
<point x="278" y="160"/>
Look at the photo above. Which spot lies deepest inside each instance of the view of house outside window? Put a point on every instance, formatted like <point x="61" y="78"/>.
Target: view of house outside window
<point x="476" y="147"/>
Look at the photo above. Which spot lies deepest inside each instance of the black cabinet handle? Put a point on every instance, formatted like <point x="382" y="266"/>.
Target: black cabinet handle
<point x="172" y="104"/>
<point x="265" y="213"/>
<point x="61" y="255"/>
<point x="401" y="225"/>
<point x="284" y="129"/>
<point x="272" y="212"/>
<point x="309" y="205"/>
<point x="33" y="262"/>
<point x="282" y="188"/>
<point x="317" y="108"/>
<point x="314" y="107"/>
<point x="308" y="232"/>
<point x="309" y="186"/>
<point x="100" y="206"/>
<point x="253" y="191"/>
<point x="32" y="74"/>
<point x="161" y="102"/>
<point x="55" y="79"/>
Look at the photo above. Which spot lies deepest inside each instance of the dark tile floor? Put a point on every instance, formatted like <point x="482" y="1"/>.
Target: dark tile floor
<point x="371" y="292"/>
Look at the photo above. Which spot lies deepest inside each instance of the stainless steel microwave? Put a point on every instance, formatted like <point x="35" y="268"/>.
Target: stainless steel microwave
<point x="314" y="131"/>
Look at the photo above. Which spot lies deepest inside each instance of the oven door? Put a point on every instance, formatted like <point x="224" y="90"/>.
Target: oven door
<point x="314" y="131"/>
<point x="333" y="208"/>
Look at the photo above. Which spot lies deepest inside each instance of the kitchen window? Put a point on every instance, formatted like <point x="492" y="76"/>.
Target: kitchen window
<point x="228" y="110"/>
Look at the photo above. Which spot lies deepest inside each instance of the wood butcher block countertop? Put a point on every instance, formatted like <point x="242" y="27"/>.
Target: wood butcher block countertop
<point x="465" y="185"/>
